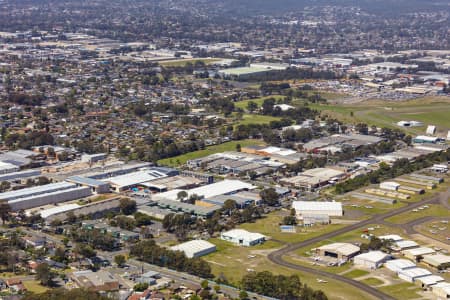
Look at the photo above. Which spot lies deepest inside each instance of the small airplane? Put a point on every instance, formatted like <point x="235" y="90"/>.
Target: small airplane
<point x="251" y="256"/>
<point x="321" y="280"/>
<point x="250" y="270"/>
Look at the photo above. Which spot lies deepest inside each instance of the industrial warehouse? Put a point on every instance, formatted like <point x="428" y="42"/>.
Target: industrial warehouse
<point x="195" y="248"/>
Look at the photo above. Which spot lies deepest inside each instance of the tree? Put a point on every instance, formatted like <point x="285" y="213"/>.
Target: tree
<point x="62" y="293"/>
<point x="252" y="106"/>
<point x="243" y="295"/>
<point x="140" y="287"/>
<point x="204" y="284"/>
<point x="182" y="195"/>
<point x="5" y="209"/>
<point x="127" y="206"/>
<point x="120" y="260"/>
<point x="44" y="274"/>
<point x="269" y="196"/>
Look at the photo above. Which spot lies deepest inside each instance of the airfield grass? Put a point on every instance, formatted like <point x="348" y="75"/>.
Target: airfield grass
<point x="429" y="110"/>
<point x="372" y="281"/>
<point x="356" y="273"/>
<point x="433" y="210"/>
<point x="402" y="290"/>
<point x="270" y="226"/>
<point x="228" y="146"/>
<point x="233" y="262"/>
<point x="184" y="62"/>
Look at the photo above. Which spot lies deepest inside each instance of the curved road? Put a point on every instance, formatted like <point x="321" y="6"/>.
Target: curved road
<point x="277" y="256"/>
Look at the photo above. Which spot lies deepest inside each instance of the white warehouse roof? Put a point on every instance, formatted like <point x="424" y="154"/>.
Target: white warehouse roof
<point x="393" y="237"/>
<point x="372" y="256"/>
<point x="431" y="279"/>
<point x="134" y="178"/>
<point x="58" y="209"/>
<point x="195" y="247"/>
<point x="418" y="251"/>
<point x="343" y="248"/>
<point x="211" y="190"/>
<point x="243" y="234"/>
<point x="406" y="244"/>
<point x="36" y="190"/>
<point x="399" y="264"/>
<point x="316" y="206"/>
<point x="415" y="272"/>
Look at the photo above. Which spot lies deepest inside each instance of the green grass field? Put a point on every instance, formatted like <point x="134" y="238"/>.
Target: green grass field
<point x="433" y="210"/>
<point x="34" y="287"/>
<point x="430" y="110"/>
<point x="270" y="226"/>
<point x="259" y="101"/>
<point x="402" y="291"/>
<point x="372" y="281"/>
<point x="256" y="119"/>
<point x="229" y="146"/>
<point x="183" y="62"/>
<point x="233" y="262"/>
<point x="356" y="273"/>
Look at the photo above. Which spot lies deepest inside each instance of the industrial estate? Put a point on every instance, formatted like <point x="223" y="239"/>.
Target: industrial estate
<point x="224" y="150"/>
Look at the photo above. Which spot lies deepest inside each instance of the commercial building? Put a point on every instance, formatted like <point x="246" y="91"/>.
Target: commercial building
<point x="195" y="248"/>
<point x="243" y="237"/>
<point x="424" y="139"/>
<point x="97" y="186"/>
<point x="404" y="245"/>
<point x="371" y="260"/>
<point x="123" y="182"/>
<point x="95" y="210"/>
<point x="100" y="281"/>
<point x="428" y="281"/>
<point x="178" y="206"/>
<point x="397" y="265"/>
<point x="312" y="208"/>
<point x="417" y="254"/>
<point x="436" y="260"/>
<point x="6" y="168"/>
<point x="313" y="179"/>
<point x="340" y="141"/>
<point x="20" y="175"/>
<point x="340" y="251"/>
<point x="389" y="185"/>
<point x="45" y="194"/>
<point x="225" y="187"/>
<point x="93" y="158"/>
<point x="441" y="290"/>
<point x="413" y="274"/>
<point x="149" y="277"/>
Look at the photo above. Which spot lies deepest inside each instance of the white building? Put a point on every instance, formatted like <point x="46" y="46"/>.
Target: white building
<point x="389" y="185"/>
<point x="413" y="274"/>
<point x="243" y="237"/>
<point x="329" y="208"/>
<point x="223" y="187"/>
<point x="397" y="265"/>
<point x="195" y="248"/>
<point x="416" y="253"/>
<point x="404" y="245"/>
<point x="441" y="290"/>
<point x="6" y="167"/>
<point x="430" y="280"/>
<point x="371" y="260"/>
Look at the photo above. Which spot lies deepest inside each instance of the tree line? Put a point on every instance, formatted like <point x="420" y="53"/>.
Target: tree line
<point x="148" y="251"/>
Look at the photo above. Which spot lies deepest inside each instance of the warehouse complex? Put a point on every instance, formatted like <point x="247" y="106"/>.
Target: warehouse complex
<point x="195" y="248"/>
<point x="308" y="211"/>
<point x="45" y="194"/>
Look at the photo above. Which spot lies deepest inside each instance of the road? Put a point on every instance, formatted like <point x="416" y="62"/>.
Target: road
<point x="277" y="256"/>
